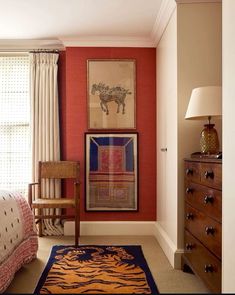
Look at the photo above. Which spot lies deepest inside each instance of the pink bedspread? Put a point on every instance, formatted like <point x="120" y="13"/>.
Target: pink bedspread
<point x="18" y="236"/>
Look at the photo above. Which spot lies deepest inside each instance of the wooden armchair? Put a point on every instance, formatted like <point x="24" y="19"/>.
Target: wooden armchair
<point x="56" y="170"/>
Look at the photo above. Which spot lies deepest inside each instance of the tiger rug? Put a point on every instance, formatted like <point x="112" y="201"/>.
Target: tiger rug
<point x="96" y="270"/>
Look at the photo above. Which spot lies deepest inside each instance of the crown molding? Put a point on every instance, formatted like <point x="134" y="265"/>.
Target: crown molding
<point x="29" y="44"/>
<point x="166" y="9"/>
<point x="8" y="45"/>
<point x="108" y="41"/>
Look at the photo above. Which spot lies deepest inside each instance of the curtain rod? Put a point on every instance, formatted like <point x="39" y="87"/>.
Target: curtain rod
<point x="44" y="51"/>
<point x="24" y="50"/>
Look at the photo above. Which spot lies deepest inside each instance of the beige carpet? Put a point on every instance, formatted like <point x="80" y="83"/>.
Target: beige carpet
<point x="167" y="279"/>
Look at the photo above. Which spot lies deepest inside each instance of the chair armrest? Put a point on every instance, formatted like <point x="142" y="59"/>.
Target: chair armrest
<point x="33" y="183"/>
<point x="30" y="192"/>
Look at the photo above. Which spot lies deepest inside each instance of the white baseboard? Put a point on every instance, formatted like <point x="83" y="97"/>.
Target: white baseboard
<point x="107" y="228"/>
<point x="178" y="258"/>
<point x="169" y="248"/>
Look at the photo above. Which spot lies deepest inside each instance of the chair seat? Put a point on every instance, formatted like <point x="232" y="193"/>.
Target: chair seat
<point x="53" y="203"/>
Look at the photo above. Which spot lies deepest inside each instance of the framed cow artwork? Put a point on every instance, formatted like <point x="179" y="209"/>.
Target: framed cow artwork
<point x="111" y="171"/>
<point x="111" y="93"/>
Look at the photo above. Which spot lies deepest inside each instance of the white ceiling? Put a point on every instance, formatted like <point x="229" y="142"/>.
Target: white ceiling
<point x="74" y="19"/>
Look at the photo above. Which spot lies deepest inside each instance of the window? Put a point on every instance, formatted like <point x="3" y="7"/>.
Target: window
<point x="14" y="122"/>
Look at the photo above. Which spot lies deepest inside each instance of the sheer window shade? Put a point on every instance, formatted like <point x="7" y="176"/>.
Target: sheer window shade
<point x="14" y="122"/>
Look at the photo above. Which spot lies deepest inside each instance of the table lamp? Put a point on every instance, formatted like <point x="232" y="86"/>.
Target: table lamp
<point x="206" y="102"/>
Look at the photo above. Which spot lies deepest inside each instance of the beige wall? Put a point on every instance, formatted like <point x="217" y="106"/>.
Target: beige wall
<point x="228" y="237"/>
<point x="188" y="56"/>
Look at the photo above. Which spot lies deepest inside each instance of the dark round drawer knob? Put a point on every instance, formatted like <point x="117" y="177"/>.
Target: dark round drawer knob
<point x="189" y="171"/>
<point x="208" y="199"/>
<point x="189" y="190"/>
<point x="209" y="230"/>
<point x="189" y="246"/>
<point x="189" y="216"/>
<point x="209" y="174"/>
<point x="208" y="268"/>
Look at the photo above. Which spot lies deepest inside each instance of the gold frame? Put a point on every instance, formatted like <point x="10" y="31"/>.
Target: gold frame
<point x="109" y="114"/>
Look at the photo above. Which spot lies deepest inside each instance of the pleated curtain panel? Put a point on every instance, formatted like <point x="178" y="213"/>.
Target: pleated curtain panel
<point x="44" y="122"/>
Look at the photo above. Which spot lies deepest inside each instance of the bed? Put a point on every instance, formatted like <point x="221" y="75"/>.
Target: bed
<point x="18" y="236"/>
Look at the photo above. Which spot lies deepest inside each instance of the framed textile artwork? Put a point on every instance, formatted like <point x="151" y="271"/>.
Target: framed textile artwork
<point x="111" y="171"/>
<point x="111" y="93"/>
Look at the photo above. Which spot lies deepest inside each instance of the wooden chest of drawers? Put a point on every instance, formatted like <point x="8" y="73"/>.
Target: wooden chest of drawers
<point x="203" y="220"/>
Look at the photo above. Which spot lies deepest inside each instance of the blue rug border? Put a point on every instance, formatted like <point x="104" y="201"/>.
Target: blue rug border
<point x="138" y="252"/>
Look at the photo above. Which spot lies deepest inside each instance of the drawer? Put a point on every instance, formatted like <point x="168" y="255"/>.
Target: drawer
<point x="211" y="175"/>
<point x="192" y="171"/>
<point x="206" y="229"/>
<point x="205" y="199"/>
<point x="205" y="264"/>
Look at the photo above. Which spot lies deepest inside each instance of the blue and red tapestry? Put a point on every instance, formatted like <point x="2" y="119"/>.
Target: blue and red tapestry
<point x="112" y="173"/>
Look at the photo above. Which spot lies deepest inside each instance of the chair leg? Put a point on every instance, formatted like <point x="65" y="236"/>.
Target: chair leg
<point x="77" y="226"/>
<point x="40" y="228"/>
<point x="40" y="224"/>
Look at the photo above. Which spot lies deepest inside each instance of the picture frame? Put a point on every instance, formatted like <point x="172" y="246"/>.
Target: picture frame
<point x="111" y="93"/>
<point x="111" y="171"/>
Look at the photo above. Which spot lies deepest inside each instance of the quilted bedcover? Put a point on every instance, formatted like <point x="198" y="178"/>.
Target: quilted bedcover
<point x="18" y="236"/>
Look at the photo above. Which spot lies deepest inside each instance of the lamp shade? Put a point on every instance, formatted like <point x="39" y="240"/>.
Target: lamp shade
<point x="205" y="102"/>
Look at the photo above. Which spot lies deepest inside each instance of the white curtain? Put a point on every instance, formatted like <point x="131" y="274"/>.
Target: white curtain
<point x="45" y="125"/>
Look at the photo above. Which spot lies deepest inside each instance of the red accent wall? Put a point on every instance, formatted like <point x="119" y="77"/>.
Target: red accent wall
<point x="73" y="112"/>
